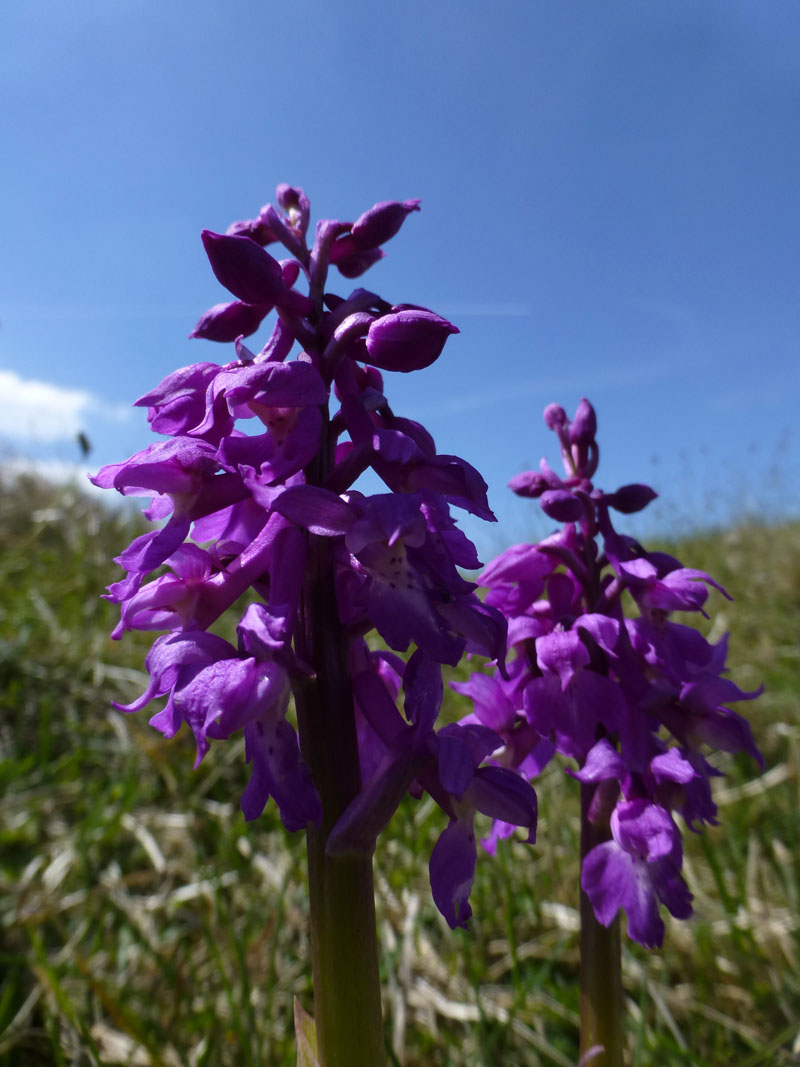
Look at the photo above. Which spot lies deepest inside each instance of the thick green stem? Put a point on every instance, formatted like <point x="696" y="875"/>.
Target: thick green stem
<point x="347" y="1002"/>
<point x="601" y="964"/>
<point x="344" y="943"/>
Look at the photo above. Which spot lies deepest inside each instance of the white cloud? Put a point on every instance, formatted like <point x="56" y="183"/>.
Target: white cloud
<point x="40" y="411"/>
<point x="31" y="410"/>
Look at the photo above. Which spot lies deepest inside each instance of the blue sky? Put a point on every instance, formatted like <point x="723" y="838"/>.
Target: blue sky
<point x="610" y="208"/>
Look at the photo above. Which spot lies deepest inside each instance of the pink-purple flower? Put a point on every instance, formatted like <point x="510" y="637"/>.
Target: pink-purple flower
<point x="600" y="672"/>
<point x="255" y="474"/>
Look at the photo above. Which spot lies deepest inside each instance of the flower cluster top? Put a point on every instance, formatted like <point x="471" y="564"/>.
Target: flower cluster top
<point x="632" y="695"/>
<point x="242" y="507"/>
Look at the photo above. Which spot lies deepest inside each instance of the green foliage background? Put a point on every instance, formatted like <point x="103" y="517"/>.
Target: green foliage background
<point x="143" y="922"/>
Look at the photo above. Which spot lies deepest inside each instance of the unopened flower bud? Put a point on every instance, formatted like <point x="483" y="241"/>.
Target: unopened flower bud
<point x="555" y="417"/>
<point x="381" y="222"/>
<point x="296" y="205"/>
<point x="407" y="340"/>
<point x="256" y="229"/>
<point x="528" y="484"/>
<point x="584" y="426"/>
<point x="250" y="273"/>
<point x="561" y="505"/>
<point x="226" y="322"/>
<point x="630" y="498"/>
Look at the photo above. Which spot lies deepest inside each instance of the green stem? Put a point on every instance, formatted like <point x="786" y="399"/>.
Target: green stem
<point x="601" y="964"/>
<point x="344" y="941"/>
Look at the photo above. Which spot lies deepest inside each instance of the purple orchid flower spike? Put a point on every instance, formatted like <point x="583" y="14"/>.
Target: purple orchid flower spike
<point x="255" y="477"/>
<point x="600" y="672"/>
<point x="591" y="683"/>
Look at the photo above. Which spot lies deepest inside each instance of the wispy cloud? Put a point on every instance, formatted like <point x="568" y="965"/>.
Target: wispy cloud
<point x="603" y="378"/>
<point x="747" y="398"/>
<point x="42" y="412"/>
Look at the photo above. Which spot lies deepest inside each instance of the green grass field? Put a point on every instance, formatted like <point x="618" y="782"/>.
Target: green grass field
<point x="143" y="922"/>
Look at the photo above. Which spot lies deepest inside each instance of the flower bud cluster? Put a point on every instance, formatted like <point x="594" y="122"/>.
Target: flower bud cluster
<point x="635" y="697"/>
<point x="240" y="507"/>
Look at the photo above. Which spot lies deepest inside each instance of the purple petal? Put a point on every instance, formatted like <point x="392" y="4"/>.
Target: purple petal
<point x="422" y="684"/>
<point x="178" y="403"/>
<point x="378" y="707"/>
<point x="228" y="693"/>
<point x="287" y="570"/>
<point x="503" y="794"/>
<point x="672" y="766"/>
<point x="350" y="260"/>
<point x="403" y="615"/>
<point x="253" y="228"/>
<point x="286" y="448"/>
<point x="602" y="762"/>
<point x="452" y="872"/>
<point x="151" y="550"/>
<point x="278" y="385"/>
<point x="520" y="563"/>
<point x="261" y="633"/>
<point x="279" y="772"/>
<point x="455" y="763"/>
<point x="644" y="829"/>
<point x="173" y="652"/>
<point x="178" y="465"/>
<point x="492" y="706"/>
<point x="285" y="233"/>
<point x="562" y="653"/>
<point x="603" y="629"/>
<point x="613" y="879"/>
<point x="316" y="510"/>
<point x="499" y="832"/>
<point x="359" y="826"/>
<point x="483" y="627"/>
